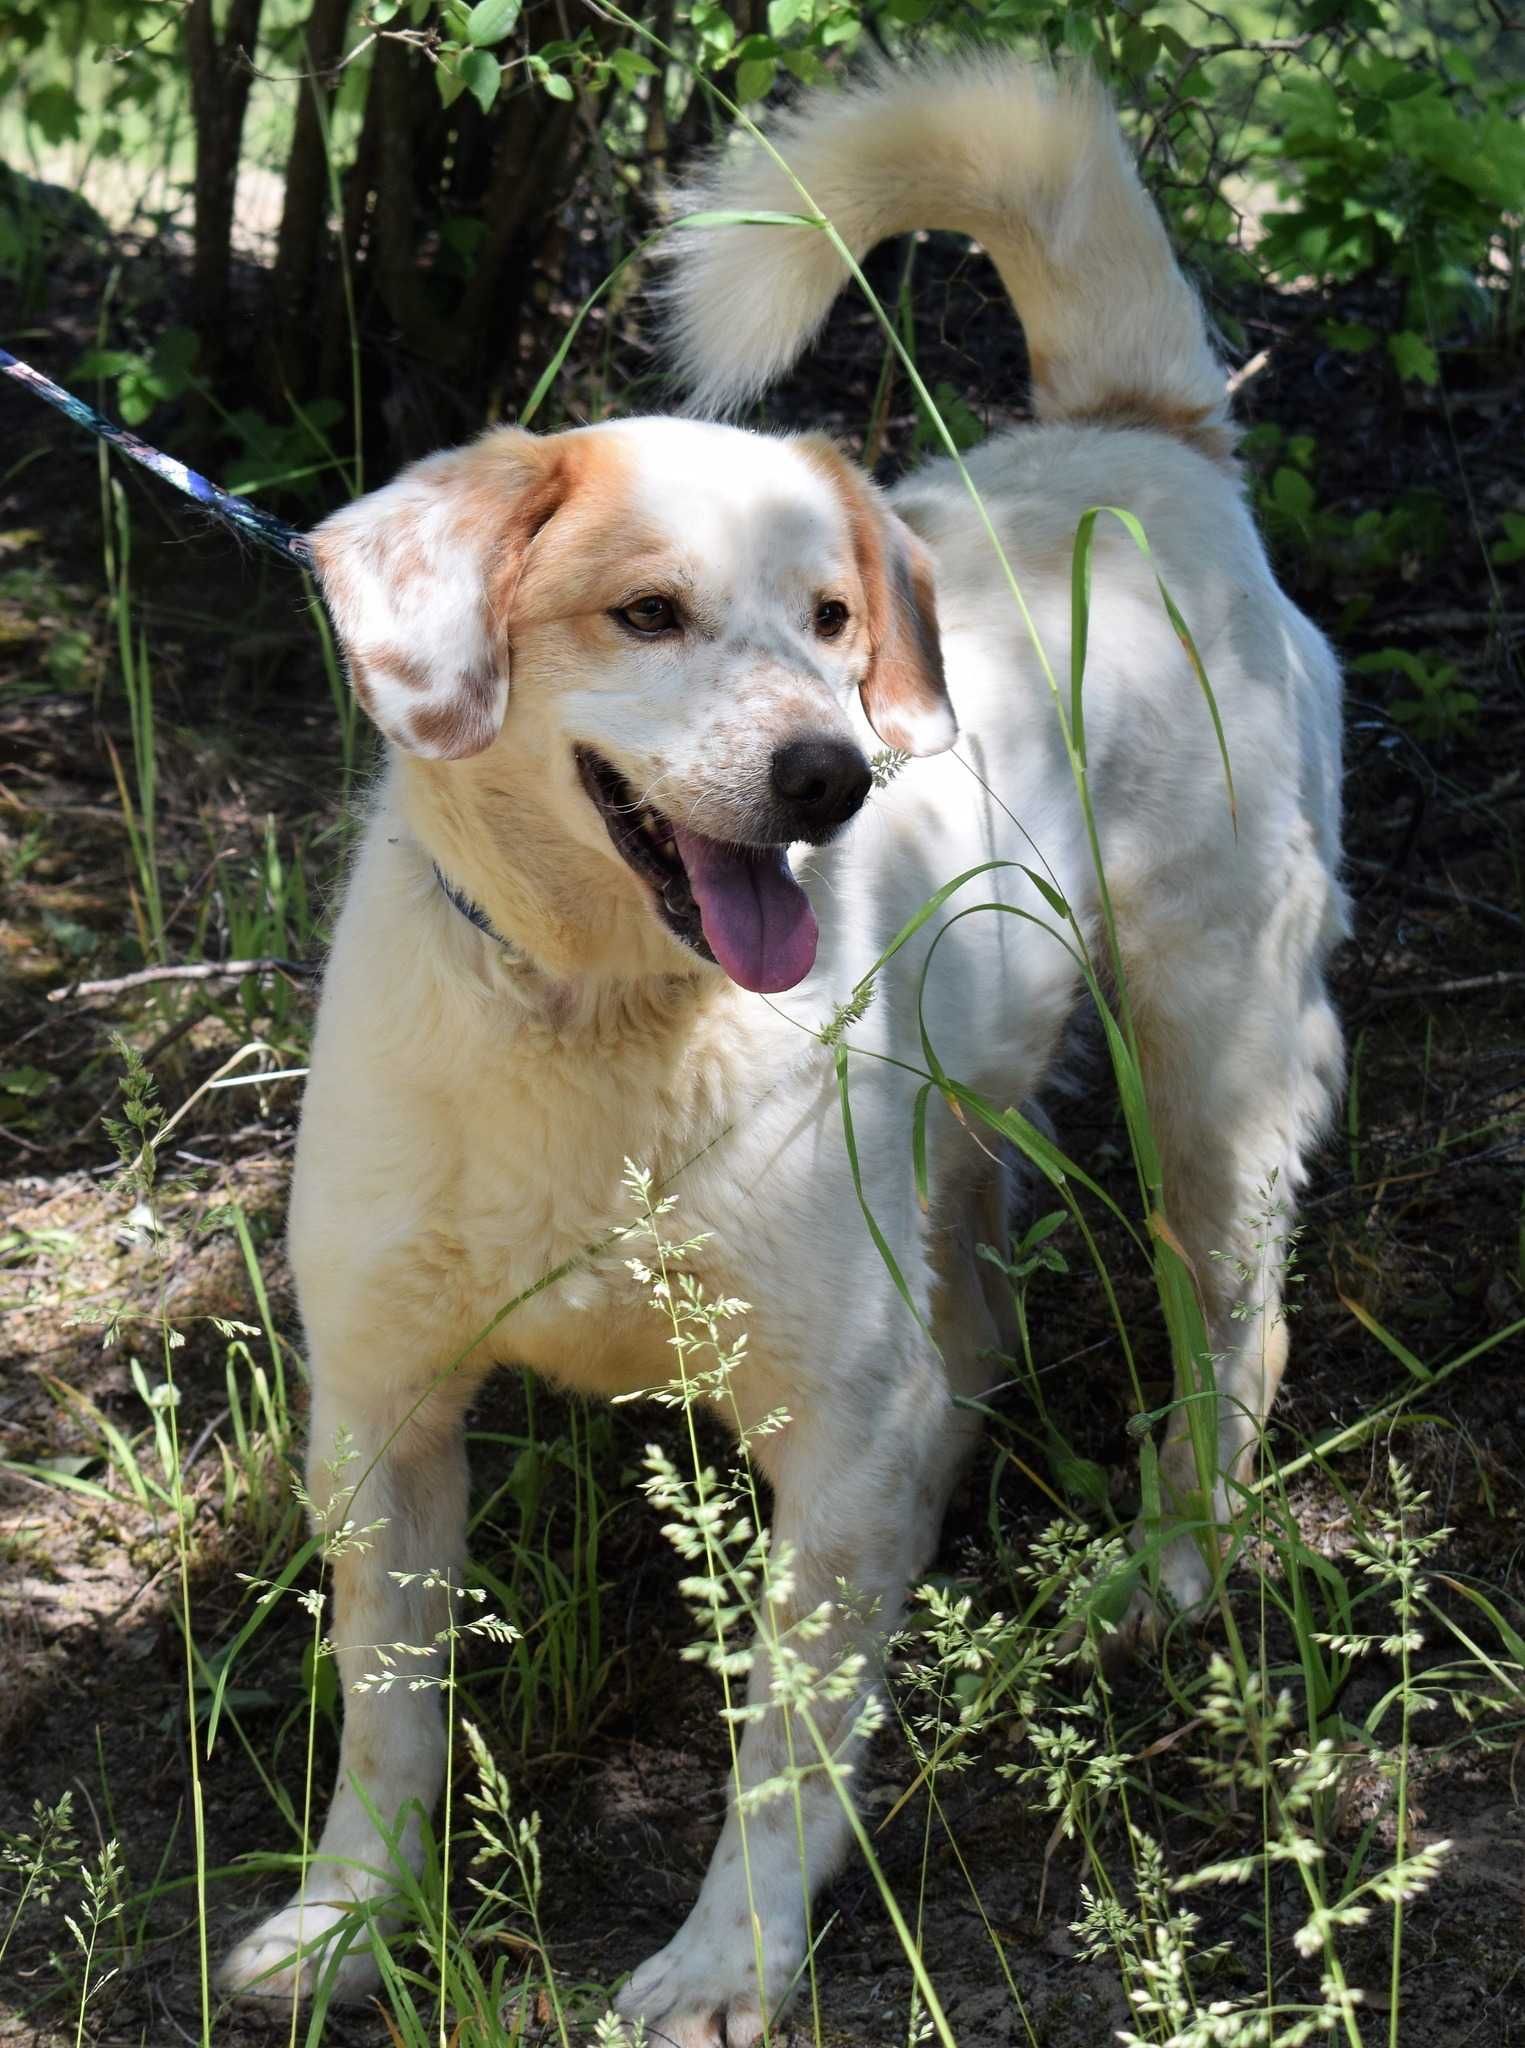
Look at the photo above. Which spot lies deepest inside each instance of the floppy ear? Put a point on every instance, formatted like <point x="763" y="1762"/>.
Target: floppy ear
<point x="904" y="693"/>
<point x="418" y="578"/>
<point x="905" y="696"/>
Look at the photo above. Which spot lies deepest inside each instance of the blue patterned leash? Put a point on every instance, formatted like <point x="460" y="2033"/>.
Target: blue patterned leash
<point x="238" y="513"/>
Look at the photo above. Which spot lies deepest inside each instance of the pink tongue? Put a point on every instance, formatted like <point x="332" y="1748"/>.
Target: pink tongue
<point x="756" y="917"/>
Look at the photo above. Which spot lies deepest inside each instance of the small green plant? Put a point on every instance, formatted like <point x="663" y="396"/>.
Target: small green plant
<point x="143" y="379"/>
<point x="99" y="1905"/>
<point x="545" y="1570"/>
<point x="1439" y="708"/>
<point x="1511" y="548"/>
<point x="40" y="1860"/>
<point x="266" y="912"/>
<point x="1405" y="172"/>
<point x="958" y="417"/>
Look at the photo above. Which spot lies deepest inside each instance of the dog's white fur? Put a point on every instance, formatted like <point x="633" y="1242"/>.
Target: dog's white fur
<point x="470" y="1109"/>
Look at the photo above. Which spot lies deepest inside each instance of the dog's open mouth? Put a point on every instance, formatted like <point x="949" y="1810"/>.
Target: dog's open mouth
<point x="739" y="906"/>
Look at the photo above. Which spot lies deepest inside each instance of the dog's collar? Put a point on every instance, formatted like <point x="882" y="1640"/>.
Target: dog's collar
<point x="473" y="913"/>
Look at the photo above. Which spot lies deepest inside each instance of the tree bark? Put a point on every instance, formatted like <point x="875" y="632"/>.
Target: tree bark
<point x="221" y="74"/>
<point x="304" y="214"/>
<point x="399" y="273"/>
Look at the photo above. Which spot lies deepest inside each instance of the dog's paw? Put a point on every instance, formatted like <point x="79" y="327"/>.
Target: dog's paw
<point x="699" y="1992"/>
<point x="289" y="1954"/>
<point x="1184" y="1594"/>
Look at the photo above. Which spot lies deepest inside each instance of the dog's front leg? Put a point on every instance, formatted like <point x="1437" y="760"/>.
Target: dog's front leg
<point x="391" y="1508"/>
<point x="859" y="1493"/>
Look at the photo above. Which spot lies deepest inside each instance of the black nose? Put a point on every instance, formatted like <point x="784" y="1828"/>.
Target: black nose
<point x="822" y="783"/>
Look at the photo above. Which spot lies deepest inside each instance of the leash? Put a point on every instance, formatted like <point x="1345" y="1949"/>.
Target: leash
<point x="245" y="519"/>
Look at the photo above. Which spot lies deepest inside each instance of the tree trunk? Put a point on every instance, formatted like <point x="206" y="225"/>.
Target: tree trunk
<point x="304" y="215"/>
<point x="399" y="273"/>
<point x="358" y="182"/>
<point x="221" y="73"/>
<point x="531" y="170"/>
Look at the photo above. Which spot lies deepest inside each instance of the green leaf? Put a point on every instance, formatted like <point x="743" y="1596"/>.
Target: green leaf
<point x="1079" y="1477"/>
<point x="1080" y="587"/>
<point x="25" y="1082"/>
<point x="919" y="1144"/>
<point x="1292" y="493"/>
<point x="715" y="28"/>
<point x="1353" y="336"/>
<point x="1078" y="34"/>
<point x="804" y="65"/>
<point x="754" y="78"/>
<point x="54" y="112"/>
<point x="629" y="65"/>
<point x="1385" y="1337"/>
<point x="964" y="427"/>
<point x="881" y="1243"/>
<point x="1512" y="547"/>
<point x="1043" y="1228"/>
<point x="482" y="75"/>
<point x="1414" y="358"/>
<point x="557" y="86"/>
<point x="1138" y="49"/>
<point x="1050" y="895"/>
<point x="447" y="76"/>
<point x="105" y="362"/>
<point x="490" y="21"/>
<point x="783" y="14"/>
<point x="721" y="218"/>
<point x="1384" y="660"/>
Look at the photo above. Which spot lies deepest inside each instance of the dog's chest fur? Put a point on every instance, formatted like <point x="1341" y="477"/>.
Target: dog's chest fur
<point x="516" y="1188"/>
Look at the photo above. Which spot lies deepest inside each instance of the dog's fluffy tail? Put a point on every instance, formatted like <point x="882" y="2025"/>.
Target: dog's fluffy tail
<point x="1028" y="163"/>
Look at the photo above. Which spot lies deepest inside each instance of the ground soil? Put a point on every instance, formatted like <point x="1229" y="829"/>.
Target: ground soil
<point x="1414" y="1216"/>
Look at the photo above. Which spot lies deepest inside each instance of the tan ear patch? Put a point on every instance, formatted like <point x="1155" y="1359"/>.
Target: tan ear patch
<point x="466" y="725"/>
<point x="418" y="578"/>
<point x="905" y="694"/>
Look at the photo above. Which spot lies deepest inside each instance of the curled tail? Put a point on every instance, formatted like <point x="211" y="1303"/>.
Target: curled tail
<point x="1030" y="164"/>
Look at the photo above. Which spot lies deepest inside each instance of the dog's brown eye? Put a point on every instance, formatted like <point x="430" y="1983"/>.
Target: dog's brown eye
<point x="830" y="618"/>
<point x="649" y="615"/>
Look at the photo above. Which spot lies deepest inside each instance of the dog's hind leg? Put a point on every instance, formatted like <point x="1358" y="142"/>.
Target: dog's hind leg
<point x="1243" y="1062"/>
<point x="386" y="1476"/>
<point x="859" y="1483"/>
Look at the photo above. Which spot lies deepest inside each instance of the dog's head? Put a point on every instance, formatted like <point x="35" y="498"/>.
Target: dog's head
<point x="621" y="660"/>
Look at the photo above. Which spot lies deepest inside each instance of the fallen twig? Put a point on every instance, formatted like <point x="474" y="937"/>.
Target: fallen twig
<point x="1246" y="371"/>
<point x="1410" y="885"/>
<point x="202" y="970"/>
<point x="1505" y="978"/>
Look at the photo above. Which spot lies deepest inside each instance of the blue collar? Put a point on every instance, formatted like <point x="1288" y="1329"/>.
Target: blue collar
<point x="473" y="913"/>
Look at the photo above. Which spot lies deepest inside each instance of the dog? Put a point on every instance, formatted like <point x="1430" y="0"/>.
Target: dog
<point x="627" y="859"/>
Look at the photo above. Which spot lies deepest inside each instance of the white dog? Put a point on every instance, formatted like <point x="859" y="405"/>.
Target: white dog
<point x="624" y="670"/>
